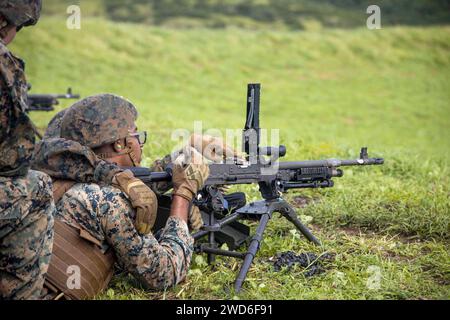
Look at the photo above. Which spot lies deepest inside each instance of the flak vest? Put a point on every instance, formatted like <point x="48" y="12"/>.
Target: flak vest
<point x="78" y="268"/>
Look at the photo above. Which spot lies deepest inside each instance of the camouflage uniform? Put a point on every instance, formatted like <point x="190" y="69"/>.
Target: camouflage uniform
<point x="107" y="215"/>
<point x="26" y="204"/>
<point x="102" y="210"/>
<point x="69" y="158"/>
<point x="26" y="234"/>
<point x="17" y="134"/>
<point x="54" y="126"/>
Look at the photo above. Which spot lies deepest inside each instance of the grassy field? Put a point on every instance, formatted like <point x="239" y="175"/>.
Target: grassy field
<point x="329" y="92"/>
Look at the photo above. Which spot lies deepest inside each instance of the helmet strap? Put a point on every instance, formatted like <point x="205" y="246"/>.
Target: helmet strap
<point x="127" y="151"/>
<point x="131" y="154"/>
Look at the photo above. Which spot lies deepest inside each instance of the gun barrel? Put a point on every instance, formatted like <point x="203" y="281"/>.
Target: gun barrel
<point x="67" y="96"/>
<point x="330" y="163"/>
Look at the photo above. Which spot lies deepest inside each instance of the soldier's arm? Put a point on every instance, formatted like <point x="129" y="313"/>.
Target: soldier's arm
<point x="4" y="111"/>
<point x="157" y="264"/>
<point x="13" y="82"/>
<point x="7" y="108"/>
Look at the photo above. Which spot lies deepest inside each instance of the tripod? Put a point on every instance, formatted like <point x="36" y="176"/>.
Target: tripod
<point x="259" y="210"/>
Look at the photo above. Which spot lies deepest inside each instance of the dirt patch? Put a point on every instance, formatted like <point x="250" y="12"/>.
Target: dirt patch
<point x="303" y="201"/>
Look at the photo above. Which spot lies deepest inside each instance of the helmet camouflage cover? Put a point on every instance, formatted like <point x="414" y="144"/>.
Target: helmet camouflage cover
<point x="98" y="120"/>
<point x="21" y="13"/>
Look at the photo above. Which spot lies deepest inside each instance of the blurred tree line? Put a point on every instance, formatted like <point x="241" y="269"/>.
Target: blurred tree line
<point x="289" y="14"/>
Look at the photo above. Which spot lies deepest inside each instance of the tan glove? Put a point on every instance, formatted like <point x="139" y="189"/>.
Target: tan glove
<point x="195" y="221"/>
<point x="212" y="148"/>
<point x="189" y="174"/>
<point x="142" y="198"/>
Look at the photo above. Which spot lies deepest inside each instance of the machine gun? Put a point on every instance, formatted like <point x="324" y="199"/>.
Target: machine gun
<point x="273" y="177"/>
<point x="46" y="102"/>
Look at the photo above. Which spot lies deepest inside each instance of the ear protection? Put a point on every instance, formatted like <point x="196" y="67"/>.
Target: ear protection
<point x="121" y="150"/>
<point x="118" y="146"/>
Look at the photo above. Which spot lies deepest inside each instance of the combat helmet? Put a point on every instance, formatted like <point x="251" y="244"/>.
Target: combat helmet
<point x="21" y="13"/>
<point x="98" y="120"/>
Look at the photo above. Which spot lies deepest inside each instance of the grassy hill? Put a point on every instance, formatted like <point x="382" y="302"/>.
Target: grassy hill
<point x="258" y="14"/>
<point x="329" y="92"/>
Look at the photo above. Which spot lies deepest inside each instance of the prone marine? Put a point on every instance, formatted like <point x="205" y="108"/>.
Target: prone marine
<point x="103" y="215"/>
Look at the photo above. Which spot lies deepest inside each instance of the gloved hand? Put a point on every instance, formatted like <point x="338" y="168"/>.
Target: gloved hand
<point x="142" y="198"/>
<point x="189" y="173"/>
<point x="212" y="148"/>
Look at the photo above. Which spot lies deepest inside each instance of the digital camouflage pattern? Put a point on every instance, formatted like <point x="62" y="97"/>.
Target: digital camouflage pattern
<point x="104" y="211"/>
<point x="90" y="123"/>
<point x="26" y="205"/>
<point x="69" y="160"/>
<point x="98" y="120"/>
<point x="26" y="234"/>
<point x="66" y="150"/>
<point x="17" y="135"/>
<point x="108" y="216"/>
<point x="54" y="126"/>
<point x="21" y="13"/>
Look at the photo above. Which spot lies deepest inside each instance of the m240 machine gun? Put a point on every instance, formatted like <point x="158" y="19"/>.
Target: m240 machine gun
<point x="274" y="178"/>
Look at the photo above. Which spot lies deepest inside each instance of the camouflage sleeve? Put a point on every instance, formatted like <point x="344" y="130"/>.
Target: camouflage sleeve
<point x="159" y="264"/>
<point x="12" y="80"/>
<point x="4" y="111"/>
<point x="16" y="129"/>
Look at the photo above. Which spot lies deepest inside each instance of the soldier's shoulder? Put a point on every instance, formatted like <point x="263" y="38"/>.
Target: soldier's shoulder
<point x="95" y="200"/>
<point x="95" y="188"/>
<point x="34" y="183"/>
<point x="9" y="63"/>
<point x="92" y="192"/>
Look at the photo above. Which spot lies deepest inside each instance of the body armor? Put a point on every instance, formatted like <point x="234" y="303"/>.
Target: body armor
<point x="74" y="249"/>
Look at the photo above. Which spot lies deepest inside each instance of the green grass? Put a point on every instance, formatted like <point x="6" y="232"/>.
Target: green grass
<point x="329" y="93"/>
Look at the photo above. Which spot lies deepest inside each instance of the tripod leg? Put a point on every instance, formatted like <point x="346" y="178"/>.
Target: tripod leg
<point x="291" y="215"/>
<point x="211" y="238"/>
<point x="251" y="252"/>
